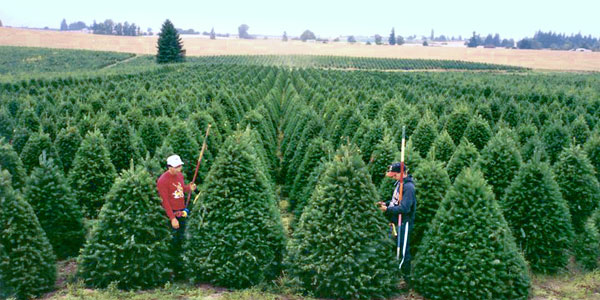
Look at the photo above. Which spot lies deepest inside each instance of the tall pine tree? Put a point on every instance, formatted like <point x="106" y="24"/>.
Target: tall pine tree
<point x="170" y="48"/>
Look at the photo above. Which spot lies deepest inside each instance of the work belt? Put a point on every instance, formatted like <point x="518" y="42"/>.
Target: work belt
<point x="179" y="213"/>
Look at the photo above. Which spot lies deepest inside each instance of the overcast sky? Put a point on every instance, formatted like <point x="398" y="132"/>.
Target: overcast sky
<point x="326" y="18"/>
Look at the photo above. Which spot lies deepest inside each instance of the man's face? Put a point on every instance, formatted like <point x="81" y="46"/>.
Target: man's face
<point x="394" y="175"/>
<point x="175" y="170"/>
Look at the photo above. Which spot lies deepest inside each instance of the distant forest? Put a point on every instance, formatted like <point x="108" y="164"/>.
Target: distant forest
<point x="107" y="27"/>
<point x="551" y="40"/>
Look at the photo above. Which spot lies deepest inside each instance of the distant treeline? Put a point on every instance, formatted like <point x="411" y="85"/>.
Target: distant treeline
<point x="106" y="27"/>
<point x="489" y="41"/>
<point x="551" y="40"/>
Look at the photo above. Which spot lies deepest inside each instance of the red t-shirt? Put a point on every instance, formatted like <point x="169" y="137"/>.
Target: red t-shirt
<point x="171" y="189"/>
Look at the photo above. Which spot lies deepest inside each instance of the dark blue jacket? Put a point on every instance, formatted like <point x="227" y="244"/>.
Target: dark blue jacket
<point x="407" y="206"/>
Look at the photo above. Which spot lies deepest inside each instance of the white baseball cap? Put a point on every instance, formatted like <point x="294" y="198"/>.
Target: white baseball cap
<point x="174" y="161"/>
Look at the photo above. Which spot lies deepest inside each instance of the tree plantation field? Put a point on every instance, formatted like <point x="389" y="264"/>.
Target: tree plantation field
<point x="196" y="46"/>
<point x="505" y="166"/>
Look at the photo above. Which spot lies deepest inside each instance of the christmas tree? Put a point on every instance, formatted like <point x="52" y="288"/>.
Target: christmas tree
<point x="592" y="149"/>
<point x="578" y="185"/>
<point x="129" y="244"/>
<point x="317" y="150"/>
<point x="121" y="146"/>
<point x="539" y="217"/>
<point x="57" y="211"/>
<point x="341" y="247"/>
<point x="424" y="135"/>
<point x="478" y="132"/>
<point x="37" y="143"/>
<point x="431" y="184"/>
<point x="587" y="246"/>
<point x="468" y="251"/>
<point x="92" y="173"/>
<point x="500" y="161"/>
<point x="183" y="143"/>
<point x="458" y="122"/>
<point x="10" y="161"/>
<point x="238" y="215"/>
<point x="67" y="142"/>
<point x="444" y="147"/>
<point x="463" y="157"/>
<point x="27" y="263"/>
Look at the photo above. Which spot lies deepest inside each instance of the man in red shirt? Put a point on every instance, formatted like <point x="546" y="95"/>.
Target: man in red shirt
<point x="172" y="189"/>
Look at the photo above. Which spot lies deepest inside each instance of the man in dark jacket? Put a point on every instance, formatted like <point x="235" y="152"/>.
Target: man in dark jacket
<point x="404" y="205"/>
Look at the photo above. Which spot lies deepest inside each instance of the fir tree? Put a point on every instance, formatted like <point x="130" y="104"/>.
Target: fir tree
<point x="578" y="185"/>
<point x="67" y="142"/>
<point x="431" y="184"/>
<point x="458" y="122"/>
<point x="384" y="154"/>
<point x="305" y="194"/>
<point x="149" y="132"/>
<point x="20" y="138"/>
<point x="587" y="246"/>
<point x="539" y="217"/>
<point x="317" y="150"/>
<point x="463" y="157"/>
<point x="57" y="211"/>
<point x="129" y="244"/>
<point x="350" y="253"/>
<point x="27" y="265"/>
<point x="10" y="161"/>
<point x="478" y="132"/>
<point x="181" y="140"/>
<point x="37" y="143"/>
<point x="444" y="147"/>
<point x="120" y="144"/>
<point x="468" y="251"/>
<point x="6" y="125"/>
<point x="170" y="48"/>
<point x="424" y="135"/>
<point x="526" y="132"/>
<point x="92" y="173"/>
<point x="592" y="148"/>
<point x="238" y="215"/>
<point x="500" y="161"/>
<point x="556" y="137"/>
<point x="580" y="130"/>
<point x="531" y="147"/>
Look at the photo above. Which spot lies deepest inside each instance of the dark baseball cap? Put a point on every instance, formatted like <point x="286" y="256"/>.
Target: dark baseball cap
<point x="397" y="168"/>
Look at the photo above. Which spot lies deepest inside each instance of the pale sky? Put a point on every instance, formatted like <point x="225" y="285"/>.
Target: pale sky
<point x="510" y="18"/>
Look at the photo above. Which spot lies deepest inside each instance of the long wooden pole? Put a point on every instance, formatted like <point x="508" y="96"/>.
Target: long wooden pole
<point x="198" y="163"/>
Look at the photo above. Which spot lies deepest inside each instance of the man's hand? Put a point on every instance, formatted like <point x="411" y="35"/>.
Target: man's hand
<point x="192" y="186"/>
<point x="382" y="206"/>
<point x="174" y="223"/>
